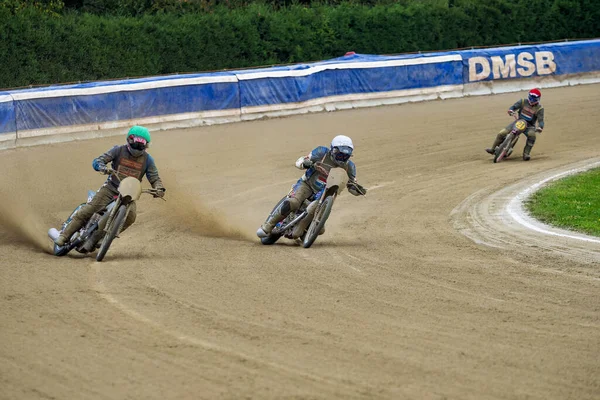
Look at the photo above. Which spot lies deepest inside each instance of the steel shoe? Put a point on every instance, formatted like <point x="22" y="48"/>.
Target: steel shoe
<point x="261" y="233"/>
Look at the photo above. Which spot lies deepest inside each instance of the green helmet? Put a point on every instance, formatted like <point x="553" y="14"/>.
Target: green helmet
<point x="138" y="137"/>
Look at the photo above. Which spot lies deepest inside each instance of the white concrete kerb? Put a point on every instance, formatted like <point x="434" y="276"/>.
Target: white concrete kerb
<point x="516" y="210"/>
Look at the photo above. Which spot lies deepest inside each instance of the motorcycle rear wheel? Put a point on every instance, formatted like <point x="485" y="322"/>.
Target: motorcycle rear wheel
<point x="112" y="232"/>
<point x="318" y="222"/>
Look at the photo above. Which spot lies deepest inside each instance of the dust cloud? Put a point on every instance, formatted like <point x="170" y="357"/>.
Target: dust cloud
<point x="188" y="212"/>
<point x="21" y="224"/>
<point x="24" y="204"/>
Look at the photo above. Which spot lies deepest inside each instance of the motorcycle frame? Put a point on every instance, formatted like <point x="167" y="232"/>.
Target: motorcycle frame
<point x="333" y="187"/>
<point x="512" y="137"/>
<point x="130" y="190"/>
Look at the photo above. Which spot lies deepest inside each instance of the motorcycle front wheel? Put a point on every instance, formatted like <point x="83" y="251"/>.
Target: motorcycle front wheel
<point x="112" y="232"/>
<point x="318" y="222"/>
<point x="501" y="151"/>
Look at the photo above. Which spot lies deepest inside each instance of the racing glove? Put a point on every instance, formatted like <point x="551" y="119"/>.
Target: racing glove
<point x="105" y="169"/>
<point x="160" y="192"/>
<point x="304" y="163"/>
<point x="356" y="189"/>
<point x="160" y="189"/>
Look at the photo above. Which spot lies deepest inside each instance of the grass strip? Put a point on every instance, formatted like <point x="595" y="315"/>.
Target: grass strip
<point x="572" y="203"/>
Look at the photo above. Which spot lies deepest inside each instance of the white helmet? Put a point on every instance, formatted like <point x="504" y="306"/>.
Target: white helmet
<point x="341" y="148"/>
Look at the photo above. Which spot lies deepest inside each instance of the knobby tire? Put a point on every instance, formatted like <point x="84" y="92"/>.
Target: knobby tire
<point x="502" y="149"/>
<point x="318" y="222"/>
<point x="112" y="232"/>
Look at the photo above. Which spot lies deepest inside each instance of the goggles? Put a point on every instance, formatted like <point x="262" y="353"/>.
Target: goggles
<point x="137" y="142"/>
<point x="534" y="98"/>
<point x="342" y="153"/>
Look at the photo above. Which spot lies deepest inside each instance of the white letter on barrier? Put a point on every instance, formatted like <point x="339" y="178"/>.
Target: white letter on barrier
<point x="485" y="69"/>
<point x="545" y="62"/>
<point x="504" y="69"/>
<point x="524" y="60"/>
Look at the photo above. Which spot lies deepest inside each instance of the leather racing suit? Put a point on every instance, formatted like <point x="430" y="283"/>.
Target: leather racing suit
<point x="531" y="114"/>
<point x="311" y="183"/>
<point x="125" y="164"/>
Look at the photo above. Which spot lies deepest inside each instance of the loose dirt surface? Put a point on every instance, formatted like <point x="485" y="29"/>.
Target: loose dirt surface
<point x="400" y="299"/>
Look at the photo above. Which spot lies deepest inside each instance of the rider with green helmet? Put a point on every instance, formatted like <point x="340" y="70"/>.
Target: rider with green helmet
<point x="130" y="159"/>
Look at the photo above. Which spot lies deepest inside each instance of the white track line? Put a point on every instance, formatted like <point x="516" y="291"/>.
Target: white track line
<point x="383" y="184"/>
<point x="99" y="287"/>
<point x="515" y="209"/>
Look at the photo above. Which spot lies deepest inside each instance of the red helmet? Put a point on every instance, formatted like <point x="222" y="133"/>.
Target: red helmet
<point x="534" y="96"/>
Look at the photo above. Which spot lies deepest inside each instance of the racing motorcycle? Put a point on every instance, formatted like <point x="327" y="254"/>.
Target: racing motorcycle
<point x="505" y="149"/>
<point x="102" y="228"/>
<point x="308" y="222"/>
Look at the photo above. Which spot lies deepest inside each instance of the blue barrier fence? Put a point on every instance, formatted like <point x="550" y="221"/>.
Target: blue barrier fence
<point x="352" y="75"/>
<point x="235" y="94"/>
<point x="7" y="114"/>
<point x="515" y="62"/>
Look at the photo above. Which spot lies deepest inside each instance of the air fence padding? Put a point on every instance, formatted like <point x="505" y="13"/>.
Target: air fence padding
<point x="68" y="112"/>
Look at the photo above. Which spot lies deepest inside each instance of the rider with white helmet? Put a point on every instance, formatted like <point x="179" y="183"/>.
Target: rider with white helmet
<point x="314" y="179"/>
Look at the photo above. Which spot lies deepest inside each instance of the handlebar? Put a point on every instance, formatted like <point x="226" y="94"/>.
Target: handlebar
<point x="357" y="188"/>
<point x="109" y="171"/>
<point x="154" y="192"/>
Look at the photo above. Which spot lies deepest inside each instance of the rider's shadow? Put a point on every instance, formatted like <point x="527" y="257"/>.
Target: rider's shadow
<point x="325" y="243"/>
<point x="343" y="243"/>
<point x="519" y="159"/>
<point x="116" y="255"/>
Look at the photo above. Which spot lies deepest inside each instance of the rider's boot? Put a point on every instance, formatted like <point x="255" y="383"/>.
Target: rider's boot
<point x="499" y="139"/>
<point x="69" y="230"/>
<point x="527" y="152"/>
<point x="528" y="147"/>
<point x="280" y="213"/>
<point x="61" y="240"/>
<point x="266" y="228"/>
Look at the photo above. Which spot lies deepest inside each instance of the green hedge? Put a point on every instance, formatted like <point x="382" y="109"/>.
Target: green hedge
<point x="42" y="47"/>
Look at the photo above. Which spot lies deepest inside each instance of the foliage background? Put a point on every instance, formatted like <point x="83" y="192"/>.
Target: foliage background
<point x="54" y="41"/>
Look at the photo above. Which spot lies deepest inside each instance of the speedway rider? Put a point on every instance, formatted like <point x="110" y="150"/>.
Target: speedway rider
<point x="314" y="179"/>
<point x="130" y="159"/>
<point x="530" y="111"/>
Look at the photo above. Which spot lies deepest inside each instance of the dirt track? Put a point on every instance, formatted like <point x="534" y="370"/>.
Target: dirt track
<point x="392" y="302"/>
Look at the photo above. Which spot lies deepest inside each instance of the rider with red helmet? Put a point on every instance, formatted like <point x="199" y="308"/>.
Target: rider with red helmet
<point x="531" y="111"/>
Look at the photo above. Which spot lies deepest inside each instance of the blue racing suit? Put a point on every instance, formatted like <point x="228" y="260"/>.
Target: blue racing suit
<point x="311" y="183"/>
